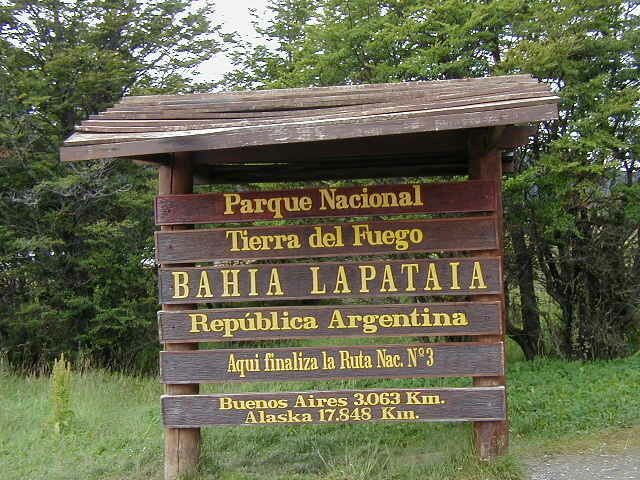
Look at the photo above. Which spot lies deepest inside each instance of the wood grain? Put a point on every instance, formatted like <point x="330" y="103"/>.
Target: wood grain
<point x="341" y="406"/>
<point x="451" y="197"/>
<point x="277" y="323"/>
<point x="333" y="363"/>
<point x="327" y="240"/>
<point x="287" y="281"/>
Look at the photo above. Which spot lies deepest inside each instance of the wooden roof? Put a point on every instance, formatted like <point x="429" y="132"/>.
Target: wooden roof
<point x="289" y="126"/>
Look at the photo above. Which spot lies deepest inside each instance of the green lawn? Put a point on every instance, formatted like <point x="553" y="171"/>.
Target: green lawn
<point x="116" y="431"/>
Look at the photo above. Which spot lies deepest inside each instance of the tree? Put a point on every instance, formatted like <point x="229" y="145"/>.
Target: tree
<point x="75" y="240"/>
<point x="572" y="205"/>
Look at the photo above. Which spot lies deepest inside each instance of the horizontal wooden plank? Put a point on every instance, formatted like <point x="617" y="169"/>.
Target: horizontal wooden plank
<point x="288" y="127"/>
<point x="337" y="108"/>
<point x="90" y="146"/>
<point x="287" y="281"/>
<point x="469" y="83"/>
<point x="342" y="406"/>
<point x="277" y="323"/>
<point x="377" y="167"/>
<point x="167" y="117"/>
<point x="365" y="93"/>
<point x="327" y="240"/>
<point x="220" y="207"/>
<point x="468" y="359"/>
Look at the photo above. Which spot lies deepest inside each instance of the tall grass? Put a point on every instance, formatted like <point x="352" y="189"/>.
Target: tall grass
<point x="116" y="431"/>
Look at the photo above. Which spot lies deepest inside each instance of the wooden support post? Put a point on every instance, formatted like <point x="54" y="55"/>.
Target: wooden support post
<point x="181" y="445"/>
<point x="491" y="438"/>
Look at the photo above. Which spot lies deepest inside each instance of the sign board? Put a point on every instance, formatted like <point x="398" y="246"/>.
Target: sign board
<point x="320" y="280"/>
<point x="343" y="406"/>
<point x="399" y="260"/>
<point x="332" y="240"/>
<point x="331" y="363"/>
<point x="459" y="197"/>
<point x="371" y="320"/>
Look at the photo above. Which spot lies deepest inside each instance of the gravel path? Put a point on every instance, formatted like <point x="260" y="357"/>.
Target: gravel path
<point x="589" y="466"/>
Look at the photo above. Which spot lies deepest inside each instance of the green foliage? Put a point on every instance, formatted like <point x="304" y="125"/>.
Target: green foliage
<point x="61" y="394"/>
<point x="76" y="247"/>
<point x="572" y="205"/>
<point x="553" y="404"/>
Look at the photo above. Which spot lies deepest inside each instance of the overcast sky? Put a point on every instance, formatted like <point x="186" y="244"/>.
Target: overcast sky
<point x="234" y="16"/>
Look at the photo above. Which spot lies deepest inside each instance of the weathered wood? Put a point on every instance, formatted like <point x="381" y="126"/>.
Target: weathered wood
<point x="365" y="93"/>
<point x="90" y="146"/>
<point x="277" y="323"/>
<point x="240" y="283"/>
<point x="220" y="207"/>
<point x="424" y="119"/>
<point x="342" y="406"/>
<point x="204" y="112"/>
<point x="333" y="363"/>
<point x="491" y="438"/>
<point x="181" y="446"/>
<point x="327" y="240"/>
<point x="377" y="167"/>
<point x="467" y="83"/>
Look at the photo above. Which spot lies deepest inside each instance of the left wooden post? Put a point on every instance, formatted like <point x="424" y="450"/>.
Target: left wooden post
<point x="181" y="445"/>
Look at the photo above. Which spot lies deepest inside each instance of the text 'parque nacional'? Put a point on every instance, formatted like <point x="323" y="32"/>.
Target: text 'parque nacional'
<point x="471" y="196"/>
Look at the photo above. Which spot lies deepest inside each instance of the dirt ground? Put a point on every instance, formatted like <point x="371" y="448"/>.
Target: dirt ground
<point x="612" y="456"/>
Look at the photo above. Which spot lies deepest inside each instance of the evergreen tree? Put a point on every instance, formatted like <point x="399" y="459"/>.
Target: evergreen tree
<point x="572" y="208"/>
<point x="76" y="239"/>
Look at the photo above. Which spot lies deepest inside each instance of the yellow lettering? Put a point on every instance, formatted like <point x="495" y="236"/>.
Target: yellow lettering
<point x="180" y="284"/>
<point x="477" y="278"/>
<point x="230" y="286"/>
<point x="274" y="283"/>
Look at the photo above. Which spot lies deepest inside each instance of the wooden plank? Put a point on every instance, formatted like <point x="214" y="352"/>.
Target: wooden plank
<point x="341" y="406"/>
<point x="290" y="126"/>
<point x="181" y="446"/>
<point x="221" y="207"/>
<point x="154" y="116"/>
<point x="432" y="146"/>
<point x="348" y="91"/>
<point x="333" y="363"/>
<point x="491" y="438"/>
<point x="289" y="281"/>
<point x="327" y="240"/>
<point x="400" y="166"/>
<point x="519" y="79"/>
<point x="375" y="106"/>
<point x="277" y="323"/>
<point x="88" y="146"/>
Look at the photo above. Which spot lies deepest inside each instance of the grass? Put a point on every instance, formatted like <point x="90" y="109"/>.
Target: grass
<point x="116" y="431"/>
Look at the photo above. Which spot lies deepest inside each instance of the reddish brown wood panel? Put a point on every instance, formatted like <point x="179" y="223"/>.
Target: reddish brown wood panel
<point x="326" y="363"/>
<point x="275" y="323"/>
<point x="327" y="240"/>
<point x="342" y="406"/>
<point x="413" y="277"/>
<point x="470" y="196"/>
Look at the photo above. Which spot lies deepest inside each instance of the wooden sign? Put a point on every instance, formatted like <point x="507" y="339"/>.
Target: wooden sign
<point x="299" y="241"/>
<point x="276" y="323"/>
<point x="470" y="196"/>
<point x="325" y="363"/>
<point x="342" y="406"/>
<point x="413" y="277"/>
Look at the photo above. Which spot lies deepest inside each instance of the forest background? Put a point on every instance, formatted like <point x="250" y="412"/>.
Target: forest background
<point x="76" y="240"/>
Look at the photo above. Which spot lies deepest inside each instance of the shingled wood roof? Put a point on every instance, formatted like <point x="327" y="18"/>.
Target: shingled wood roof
<point x="279" y="125"/>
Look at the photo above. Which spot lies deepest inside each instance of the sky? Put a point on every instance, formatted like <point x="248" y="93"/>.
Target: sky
<point x="234" y="16"/>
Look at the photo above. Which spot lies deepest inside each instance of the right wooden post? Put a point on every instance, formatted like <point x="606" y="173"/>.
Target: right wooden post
<point x="491" y="438"/>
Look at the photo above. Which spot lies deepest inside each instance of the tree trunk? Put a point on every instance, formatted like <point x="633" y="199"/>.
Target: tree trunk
<point x="529" y="337"/>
